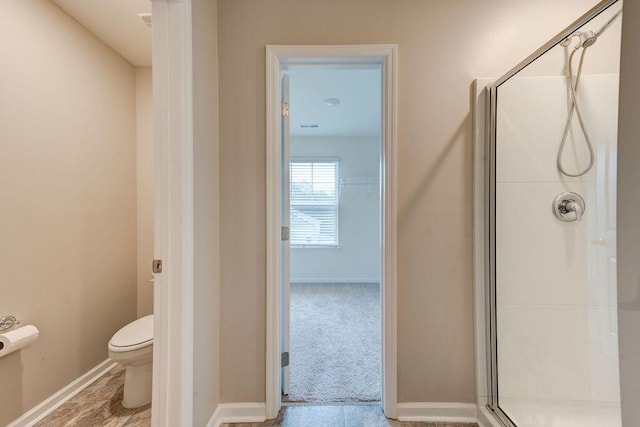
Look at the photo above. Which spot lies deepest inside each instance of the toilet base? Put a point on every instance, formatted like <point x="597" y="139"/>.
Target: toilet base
<point x="137" y="386"/>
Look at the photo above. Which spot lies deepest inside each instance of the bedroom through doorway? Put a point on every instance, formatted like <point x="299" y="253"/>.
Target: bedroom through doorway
<point x="332" y="323"/>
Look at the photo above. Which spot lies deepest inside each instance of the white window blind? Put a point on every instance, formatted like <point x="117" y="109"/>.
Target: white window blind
<point x="314" y="202"/>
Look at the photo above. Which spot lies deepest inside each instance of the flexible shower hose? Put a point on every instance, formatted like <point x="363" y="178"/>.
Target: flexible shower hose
<point x="575" y="107"/>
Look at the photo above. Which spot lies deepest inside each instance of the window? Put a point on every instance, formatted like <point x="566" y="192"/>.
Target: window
<point x="314" y="202"/>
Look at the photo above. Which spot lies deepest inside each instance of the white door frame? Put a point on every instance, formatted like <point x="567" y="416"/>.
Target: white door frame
<point x="277" y="56"/>
<point x="173" y="213"/>
<point x="285" y="247"/>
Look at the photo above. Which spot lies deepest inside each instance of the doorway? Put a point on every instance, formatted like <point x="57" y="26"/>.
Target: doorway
<point x="331" y="319"/>
<point x="284" y="61"/>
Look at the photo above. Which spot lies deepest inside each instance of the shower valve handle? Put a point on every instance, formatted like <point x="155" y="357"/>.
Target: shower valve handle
<point x="568" y="207"/>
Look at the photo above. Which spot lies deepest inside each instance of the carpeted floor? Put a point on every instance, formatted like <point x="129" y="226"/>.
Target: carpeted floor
<point x="335" y="353"/>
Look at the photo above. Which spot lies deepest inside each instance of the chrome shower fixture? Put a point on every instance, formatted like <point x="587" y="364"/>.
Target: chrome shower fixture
<point x="568" y="206"/>
<point x="588" y="38"/>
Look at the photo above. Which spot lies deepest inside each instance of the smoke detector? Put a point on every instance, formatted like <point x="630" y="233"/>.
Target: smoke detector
<point x="146" y="18"/>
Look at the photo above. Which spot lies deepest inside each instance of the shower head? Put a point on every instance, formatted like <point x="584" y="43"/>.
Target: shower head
<point x="587" y="38"/>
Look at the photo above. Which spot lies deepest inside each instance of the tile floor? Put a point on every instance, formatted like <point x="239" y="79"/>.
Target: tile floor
<point x="339" y="416"/>
<point x="100" y="404"/>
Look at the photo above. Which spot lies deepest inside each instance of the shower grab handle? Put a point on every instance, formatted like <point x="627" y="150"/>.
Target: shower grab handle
<point x="568" y="207"/>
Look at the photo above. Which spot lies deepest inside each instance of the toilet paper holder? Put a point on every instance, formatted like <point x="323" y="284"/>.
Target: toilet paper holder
<point x="8" y="322"/>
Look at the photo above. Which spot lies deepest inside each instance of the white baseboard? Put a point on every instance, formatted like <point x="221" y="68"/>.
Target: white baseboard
<point x="438" y="412"/>
<point x="215" y="419"/>
<point x="334" y="280"/>
<point x="56" y="400"/>
<point x="421" y="411"/>
<point x="238" y="413"/>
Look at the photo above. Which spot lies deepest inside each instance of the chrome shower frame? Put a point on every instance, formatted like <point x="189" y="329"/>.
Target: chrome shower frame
<point x="490" y="207"/>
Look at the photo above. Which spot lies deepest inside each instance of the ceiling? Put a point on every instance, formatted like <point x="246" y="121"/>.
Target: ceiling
<point x="116" y="23"/>
<point x="357" y="114"/>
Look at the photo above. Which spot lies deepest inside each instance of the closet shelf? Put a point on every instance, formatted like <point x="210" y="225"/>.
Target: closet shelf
<point x="369" y="182"/>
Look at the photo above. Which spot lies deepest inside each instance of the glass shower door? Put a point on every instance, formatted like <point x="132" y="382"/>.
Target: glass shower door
<point x="553" y="300"/>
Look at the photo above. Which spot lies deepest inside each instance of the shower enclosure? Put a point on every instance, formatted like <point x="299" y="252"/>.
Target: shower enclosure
<point x="551" y="231"/>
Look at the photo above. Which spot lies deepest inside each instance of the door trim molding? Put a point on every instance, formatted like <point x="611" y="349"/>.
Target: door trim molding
<point x="276" y="58"/>
<point x="173" y="212"/>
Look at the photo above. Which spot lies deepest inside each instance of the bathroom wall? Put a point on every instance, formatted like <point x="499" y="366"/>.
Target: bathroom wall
<point x="68" y="191"/>
<point x="556" y="282"/>
<point x="358" y="257"/>
<point x="144" y="188"/>
<point x="628" y="218"/>
<point x="443" y="46"/>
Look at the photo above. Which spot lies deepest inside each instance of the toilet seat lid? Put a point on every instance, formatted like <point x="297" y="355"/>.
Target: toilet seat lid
<point x="136" y="334"/>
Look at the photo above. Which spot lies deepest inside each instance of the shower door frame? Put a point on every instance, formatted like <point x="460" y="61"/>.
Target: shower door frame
<point x="490" y="329"/>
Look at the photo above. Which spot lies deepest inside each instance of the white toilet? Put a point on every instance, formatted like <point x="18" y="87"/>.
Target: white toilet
<point x="132" y="347"/>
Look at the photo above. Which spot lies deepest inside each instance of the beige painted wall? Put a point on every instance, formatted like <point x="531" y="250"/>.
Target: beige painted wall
<point x="206" y="363"/>
<point x="443" y="46"/>
<point x="68" y="197"/>
<point x="144" y="168"/>
<point x="628" y="218"/>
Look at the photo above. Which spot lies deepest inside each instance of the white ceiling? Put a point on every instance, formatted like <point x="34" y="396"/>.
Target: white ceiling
<point x="359" y="92"/>
<point x="116" y="23"/>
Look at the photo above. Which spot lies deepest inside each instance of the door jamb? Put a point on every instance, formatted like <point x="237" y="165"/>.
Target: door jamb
<point x="173" y="213"/>
<point x="386" y="55"/>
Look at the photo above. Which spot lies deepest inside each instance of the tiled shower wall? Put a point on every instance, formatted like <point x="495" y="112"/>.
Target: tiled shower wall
<point x="556" y="288"/>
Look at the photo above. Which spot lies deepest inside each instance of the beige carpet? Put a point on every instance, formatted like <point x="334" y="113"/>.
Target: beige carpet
<point x="335" y="353"/>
